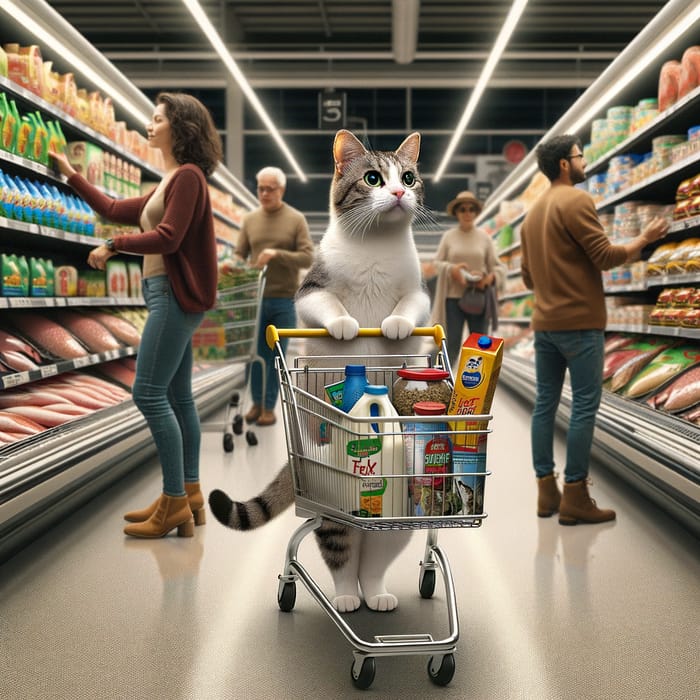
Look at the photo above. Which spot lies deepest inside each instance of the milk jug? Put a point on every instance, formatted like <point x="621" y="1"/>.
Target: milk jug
<point x="373" y="451"/>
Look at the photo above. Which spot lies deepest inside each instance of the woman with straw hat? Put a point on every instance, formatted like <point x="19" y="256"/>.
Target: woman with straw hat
<point x="466" y="258"/>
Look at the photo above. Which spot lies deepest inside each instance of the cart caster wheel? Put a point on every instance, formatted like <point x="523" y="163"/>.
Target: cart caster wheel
<point x="444" y="674"/>
<point x="363" y="679"/>
<point x="426" y="584"/>
<point x="250" y="438"/>
<point x="235" y="398"/>
<point x="237" y="425"/>
<point x="287" y="596"/>
<point x="228" y="442"/>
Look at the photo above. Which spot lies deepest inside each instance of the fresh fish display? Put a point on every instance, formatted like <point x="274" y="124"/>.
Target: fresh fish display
<point x="13" y="423"/>
<point x="119" y="327"/>
<point x="684" y="391"/>
<point x="48" y="335"/>
<point x="116" y="371"/>
<point x="664" y="367"/>
<point x="41" y="415"/>
<point x="630" y="360"/>
<point x="17" y="354"/>
<point x="91" y="333"/>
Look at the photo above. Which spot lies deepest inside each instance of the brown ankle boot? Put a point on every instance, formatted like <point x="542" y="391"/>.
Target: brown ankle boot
<point x="171" y="512"/>
<point x="548" y="496"/>
<point x="194" y="495"/>
<point x="578" y="507"/>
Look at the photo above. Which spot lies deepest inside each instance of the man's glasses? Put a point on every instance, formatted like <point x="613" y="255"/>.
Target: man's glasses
<point x="577" y="155"/>
<point x="267" y="190"/>
<point x="461" y="210"/>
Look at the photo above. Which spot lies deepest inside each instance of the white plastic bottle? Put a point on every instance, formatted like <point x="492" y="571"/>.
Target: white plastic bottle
<point x="374" y="451"/>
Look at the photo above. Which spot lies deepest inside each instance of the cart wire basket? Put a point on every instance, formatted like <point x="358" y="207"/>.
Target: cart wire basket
<point x="229" y="333"/>
<point x="330" y="456"/>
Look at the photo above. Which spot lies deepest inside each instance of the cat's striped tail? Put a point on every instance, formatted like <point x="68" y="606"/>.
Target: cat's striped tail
<point x="277" y="496"/>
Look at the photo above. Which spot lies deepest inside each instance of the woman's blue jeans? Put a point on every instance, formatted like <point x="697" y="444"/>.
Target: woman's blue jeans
<point x="280" y="312"/>
<point x="582" y="353"/>
<point x="455" y="318"/>
<point x="162" y="389"/>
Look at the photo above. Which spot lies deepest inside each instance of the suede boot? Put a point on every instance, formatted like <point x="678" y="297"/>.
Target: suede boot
<point x="578" y="507"/>
<point x="194" y="495"/>
<point x="171" y="512"/>
<point x="548" y="496"/>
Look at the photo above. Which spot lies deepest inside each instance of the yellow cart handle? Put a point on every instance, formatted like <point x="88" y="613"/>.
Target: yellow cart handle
<point x="273" y="334"/>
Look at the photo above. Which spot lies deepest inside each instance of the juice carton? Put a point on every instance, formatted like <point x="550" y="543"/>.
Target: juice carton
<point x="134" y="271"/>
<point x="117" y="279"/>
<point x="65" y="281"/>
<point x="475" y="383"/>
<point x="11" y="276"/>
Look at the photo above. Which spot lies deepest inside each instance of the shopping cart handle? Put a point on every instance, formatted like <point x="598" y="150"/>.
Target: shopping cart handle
<point x="273" y="334"/>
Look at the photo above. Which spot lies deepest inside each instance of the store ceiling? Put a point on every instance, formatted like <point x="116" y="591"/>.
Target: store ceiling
<point x="419" y="57"/>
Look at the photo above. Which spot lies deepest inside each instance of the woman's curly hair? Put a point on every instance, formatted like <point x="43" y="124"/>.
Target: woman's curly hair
<point x="195" y="139"/>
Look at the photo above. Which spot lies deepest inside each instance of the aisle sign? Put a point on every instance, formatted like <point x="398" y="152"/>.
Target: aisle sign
<point x="331" y="109"/>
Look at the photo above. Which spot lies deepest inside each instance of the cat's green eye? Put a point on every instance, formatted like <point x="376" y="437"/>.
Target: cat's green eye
<point x="408" y="179"/>
<point x="373" y="179"/>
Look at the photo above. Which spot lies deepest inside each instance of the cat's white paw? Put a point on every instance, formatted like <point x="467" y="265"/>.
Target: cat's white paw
<point x="384" y="602"/>
<point x="397" y="327"/>
<point x="346" y="603"/>
<point x="343" y="328"/>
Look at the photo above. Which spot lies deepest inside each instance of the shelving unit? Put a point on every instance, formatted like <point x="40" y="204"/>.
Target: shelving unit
<point x="656" y="452"/>
<point x="48" y="474"/>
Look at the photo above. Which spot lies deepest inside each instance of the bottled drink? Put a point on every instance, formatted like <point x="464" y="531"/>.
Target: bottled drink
<point x="354" y="387"/>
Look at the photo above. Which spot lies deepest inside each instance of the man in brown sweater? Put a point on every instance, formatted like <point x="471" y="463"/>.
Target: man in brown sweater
<point x="564" y="248"/>
<point x="275" y="235"/>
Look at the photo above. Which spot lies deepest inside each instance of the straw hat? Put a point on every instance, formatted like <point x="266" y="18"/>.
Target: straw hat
<point x="462" y="198"/>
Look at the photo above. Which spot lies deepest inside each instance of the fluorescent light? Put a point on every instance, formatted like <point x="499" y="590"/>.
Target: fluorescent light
<point x="669" y="25"/>
<point x="76" y="62"/>
<point x="404" y="26"/>
<point x="206" y="26"/>
<point x="504" y="35"/>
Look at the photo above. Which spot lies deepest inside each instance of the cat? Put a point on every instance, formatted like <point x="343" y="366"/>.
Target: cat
<point x="366" y="274"/>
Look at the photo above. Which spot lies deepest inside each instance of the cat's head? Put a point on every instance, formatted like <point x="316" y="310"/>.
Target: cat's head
<point x="375" y="190"/>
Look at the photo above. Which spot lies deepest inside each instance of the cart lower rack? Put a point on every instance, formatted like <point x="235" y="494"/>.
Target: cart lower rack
<point x="328" y="456"/>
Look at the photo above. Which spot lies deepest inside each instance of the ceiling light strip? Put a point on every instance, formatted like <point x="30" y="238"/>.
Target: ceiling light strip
<point x="206" y="26"/>
<point x="516" y="11"/>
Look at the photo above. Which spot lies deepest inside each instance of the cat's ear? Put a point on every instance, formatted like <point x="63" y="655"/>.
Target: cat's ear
<point x="346" y="147"/>
<point x="410" y="148"/>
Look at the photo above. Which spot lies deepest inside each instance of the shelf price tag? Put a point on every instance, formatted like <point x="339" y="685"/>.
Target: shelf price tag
<point x="15" y="379"/>
<point x="48" y="371"/>
<point x="80" y="362"/>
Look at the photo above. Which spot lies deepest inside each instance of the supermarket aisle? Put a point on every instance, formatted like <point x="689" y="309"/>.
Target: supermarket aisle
<point x="547" y="612"/>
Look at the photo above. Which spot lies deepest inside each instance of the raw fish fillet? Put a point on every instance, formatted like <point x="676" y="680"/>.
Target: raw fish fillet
<point x="93" y="334"/>
<point x="120" y="328"/>
<point x="48" y="335"/>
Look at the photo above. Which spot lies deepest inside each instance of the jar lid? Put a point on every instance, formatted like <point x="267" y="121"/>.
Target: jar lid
<point x="429" y="408"/>
<point x="429" y="374"/>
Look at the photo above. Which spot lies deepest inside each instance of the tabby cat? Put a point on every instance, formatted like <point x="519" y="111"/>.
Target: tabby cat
<point x="366" y="274"/>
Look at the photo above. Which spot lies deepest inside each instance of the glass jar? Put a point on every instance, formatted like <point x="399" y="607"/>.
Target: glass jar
<point x="414" y="384"/>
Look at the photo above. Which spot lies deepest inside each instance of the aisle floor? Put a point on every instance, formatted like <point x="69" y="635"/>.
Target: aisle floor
<point x="546" y="612"/>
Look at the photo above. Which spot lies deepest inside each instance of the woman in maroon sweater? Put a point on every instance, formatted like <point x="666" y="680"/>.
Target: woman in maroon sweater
<point x="179" y="284"/>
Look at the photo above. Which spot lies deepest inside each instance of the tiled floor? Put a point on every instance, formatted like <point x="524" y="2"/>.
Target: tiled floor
<point x="546" y="612"/>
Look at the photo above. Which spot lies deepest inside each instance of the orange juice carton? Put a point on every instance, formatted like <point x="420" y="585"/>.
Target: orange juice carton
<point x="117" y="279"/>
<point x="134" y="272"/>
<point x="475" y="383"/>
<point x="65" y="281"/>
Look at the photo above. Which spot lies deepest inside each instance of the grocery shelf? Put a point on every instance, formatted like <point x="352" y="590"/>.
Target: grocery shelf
<point x="48" y="475"/>
<point x="651" y="329"/>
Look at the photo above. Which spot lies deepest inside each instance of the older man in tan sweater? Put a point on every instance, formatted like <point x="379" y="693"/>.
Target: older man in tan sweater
<point x="564" y="248"/>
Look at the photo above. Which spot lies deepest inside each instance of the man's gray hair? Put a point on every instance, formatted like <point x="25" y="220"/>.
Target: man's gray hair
<point x="272" y="171"/>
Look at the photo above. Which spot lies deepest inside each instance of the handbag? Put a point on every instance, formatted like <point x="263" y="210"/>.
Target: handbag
<point x="472" y="301"/>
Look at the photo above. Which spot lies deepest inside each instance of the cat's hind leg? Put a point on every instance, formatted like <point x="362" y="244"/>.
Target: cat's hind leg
<point x="379" y="549"/>
<point x="340" y="548"/>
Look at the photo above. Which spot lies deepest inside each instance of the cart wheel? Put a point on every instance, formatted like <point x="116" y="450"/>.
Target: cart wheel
<point x="444" y="674"/>
<point x="237" y="425"/>
<point x="235" y="398"/>
<point x="426" y="583"/>
<point x="250" y="437"/>
<point x="228" y="442"/>
<point x="363" y="678"/>
<point x="287" y="596"/>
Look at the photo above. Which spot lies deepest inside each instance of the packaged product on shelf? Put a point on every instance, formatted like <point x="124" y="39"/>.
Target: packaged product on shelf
<point x="68" y="94"/>
<point x="51" y="84"/>
<point x="669" y="78"/>
<point x="88" y="160"/>
<point x="682" y="393"/>
<point x="3" y="62"/>
<point x="15" y="275"/>
<point x="65" y="281"/>
<point x="689" y="77"/>
<point x="134" y="272"/>
<point x="665" y="366"/>
<point x="10" y="123"/>
<point x="117" y="279"/>
<point x="57" y="141"/>
<point x="656" y="264"/>
<point x="92" y="283"/>
<point x="645" y="111"/>
<point x="684" y="257"/>
<point x="636" y="356"/>
<point x="40" y="271"/>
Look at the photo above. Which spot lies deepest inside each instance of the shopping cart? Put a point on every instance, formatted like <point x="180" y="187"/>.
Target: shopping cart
<point x="317" y="436"/>
<point x="229" y="332"/>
